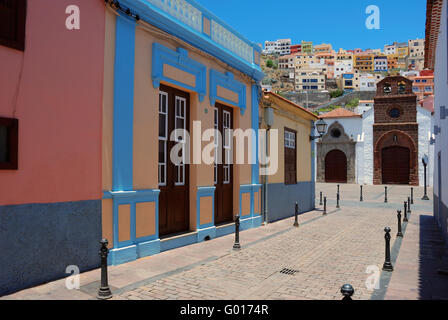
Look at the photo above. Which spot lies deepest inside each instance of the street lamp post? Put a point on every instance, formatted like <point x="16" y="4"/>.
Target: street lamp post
<point x="425" y="163"/>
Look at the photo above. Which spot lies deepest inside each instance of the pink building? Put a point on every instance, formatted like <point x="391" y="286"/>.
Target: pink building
<point x="51" y="85"/>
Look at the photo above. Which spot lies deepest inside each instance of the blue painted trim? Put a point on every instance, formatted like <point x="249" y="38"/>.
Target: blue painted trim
<point x="254" y="121"/>
<point x="251" y="189"/>
<point x="246" y="224"/>
<point x="178" y="59"/>
<point x="227" y="81"/>
<point x="178" y="242"/>
<point x="132" y="198"/>
<point x="155" y="16"/>
<point x="206" y="232"/>
<point x="122" y="255"/>
<point x="123" y="104"/>
<point x="148" y="248"/>
<point x="204" y="192"/>
<point x="223" y="231"/>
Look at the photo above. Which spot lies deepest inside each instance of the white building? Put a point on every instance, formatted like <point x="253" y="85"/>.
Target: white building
<point x="437" y="59"/>
<point x="390" y="49"/>
<point x="342" y="66"/>
<point x="367" y="81"/>
<point x="280" y="46"/>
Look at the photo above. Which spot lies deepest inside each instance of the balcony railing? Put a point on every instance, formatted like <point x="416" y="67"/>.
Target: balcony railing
<point x="206" y="24"/>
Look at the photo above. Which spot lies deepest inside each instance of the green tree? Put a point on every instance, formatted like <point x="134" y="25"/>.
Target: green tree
<point x="336" y="93"/>
<point x="269" y="63"/>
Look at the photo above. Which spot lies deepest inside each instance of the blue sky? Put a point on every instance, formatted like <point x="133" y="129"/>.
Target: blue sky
<point x="341" y="23"/>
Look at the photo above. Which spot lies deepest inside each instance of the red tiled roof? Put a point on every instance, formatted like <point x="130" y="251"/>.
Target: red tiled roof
<point x="433" y="13"/>
<point x="340" y="113"/>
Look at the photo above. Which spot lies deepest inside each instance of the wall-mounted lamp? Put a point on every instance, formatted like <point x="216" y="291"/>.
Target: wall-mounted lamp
<point x="321" y="127"/>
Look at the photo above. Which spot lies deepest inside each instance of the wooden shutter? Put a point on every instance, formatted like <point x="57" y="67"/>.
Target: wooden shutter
<point x="12" y="23"/>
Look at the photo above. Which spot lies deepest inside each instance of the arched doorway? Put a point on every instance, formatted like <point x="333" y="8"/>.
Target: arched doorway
<point x="396" y="165"/>
<point x="336" y="166"/>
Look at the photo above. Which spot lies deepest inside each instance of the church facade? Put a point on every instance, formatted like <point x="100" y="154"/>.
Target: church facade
<point x="382" y="142"/>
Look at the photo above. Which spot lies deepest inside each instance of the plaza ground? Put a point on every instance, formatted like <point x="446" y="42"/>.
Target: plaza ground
<point x="280" y="261"/>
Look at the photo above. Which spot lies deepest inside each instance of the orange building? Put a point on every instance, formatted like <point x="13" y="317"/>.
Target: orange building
<point x="423" y="85"/>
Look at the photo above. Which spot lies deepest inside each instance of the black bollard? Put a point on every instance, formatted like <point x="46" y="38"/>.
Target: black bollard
<point x="296" y="222"/>
<point x="325" y="205"/>
<point x="104" y="291"/>
<point x="387" y="266"/>
<point x="385" y="194"/>
<point x="361" y="198"/>
<point x="412" y="195"/>
<point x="337" y="200"/>
<point x="405" y="219"/>
<point x="399" y="233"/>
<point x="347" y="291"/>
<point x="405" y="212"/>
<point x="320" y="202"/>
<point x="338" y="190"/>
<point x="409" y="205"/>
<point x="236" y="245"/>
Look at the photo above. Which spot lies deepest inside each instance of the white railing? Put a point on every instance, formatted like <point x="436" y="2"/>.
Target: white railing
<point x="181" y="10"/>
<point x="230" y="41"/>
<point x="187" y="13"/>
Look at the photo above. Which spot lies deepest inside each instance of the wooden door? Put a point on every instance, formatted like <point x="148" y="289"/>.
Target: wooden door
<point x="336" y="167"/>
<point x="395" y="164"/>
<point x="223" y="175"/>
<point x="173" y="177"/>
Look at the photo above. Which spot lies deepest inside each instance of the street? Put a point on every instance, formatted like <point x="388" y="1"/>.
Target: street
<point x="279" y="261"/>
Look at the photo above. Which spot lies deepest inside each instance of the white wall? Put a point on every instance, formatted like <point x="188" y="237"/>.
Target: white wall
<point x="367" y="128"/>
<point x="424" y="120"/>
<point x="441" y="99"/>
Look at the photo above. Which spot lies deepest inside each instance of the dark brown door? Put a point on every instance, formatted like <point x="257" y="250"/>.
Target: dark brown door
<point x="336" y="167"/>
<point x="395" y="165"/>
<point x="290" y="156"/>
<point x="224" y="171"/>
<point x="173" y="175"/>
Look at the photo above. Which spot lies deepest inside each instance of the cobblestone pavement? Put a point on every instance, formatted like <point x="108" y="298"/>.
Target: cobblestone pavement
<point x="324" y="254"/>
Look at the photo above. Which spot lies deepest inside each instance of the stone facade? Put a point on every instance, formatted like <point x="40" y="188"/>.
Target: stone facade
<point x="395" y="123"/>
<point x="343" y="143"/>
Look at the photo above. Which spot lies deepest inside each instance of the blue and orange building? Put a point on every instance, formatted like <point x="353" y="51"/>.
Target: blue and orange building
<point x="167" y="65"/>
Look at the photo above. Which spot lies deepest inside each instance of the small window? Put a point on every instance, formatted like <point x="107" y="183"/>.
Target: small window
<point x="336" y="133"/>
<point x="387" y="88"/>
<point x="394" y="113"/>
<point x="12" y="23"/>
<point x="9" y="133"/>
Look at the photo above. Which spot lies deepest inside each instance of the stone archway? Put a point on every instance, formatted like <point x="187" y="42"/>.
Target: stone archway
<point x="395" y="159"/>
<point x="342" y="149"/>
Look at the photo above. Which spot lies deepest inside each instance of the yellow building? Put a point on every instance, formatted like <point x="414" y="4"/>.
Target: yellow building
<point x="323" y="48"/>
<point x="403" y="52"/>
<point x="363" y="62"/>
<point x="294" y="180"/>
<point x="182" y="70"/>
